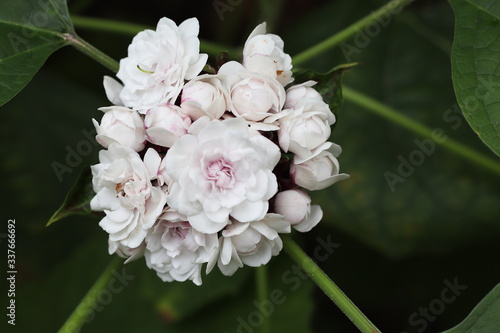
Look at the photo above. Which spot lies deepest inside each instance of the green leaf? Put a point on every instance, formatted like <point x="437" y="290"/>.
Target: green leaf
<point x="475" y="62"/>
<point x="329" y="84"/>
<point x="77" y="201"/>
<point x="30" y="31"/>
<point x="484" y="317"/>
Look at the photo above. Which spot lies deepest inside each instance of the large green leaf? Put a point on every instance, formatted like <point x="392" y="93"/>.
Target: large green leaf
<point x="484" y="318"/>
<point x="476" y="66"/>
<point x="30" y="31"/>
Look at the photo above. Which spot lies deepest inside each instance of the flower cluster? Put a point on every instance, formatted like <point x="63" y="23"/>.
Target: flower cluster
<point x="205" y="166"/>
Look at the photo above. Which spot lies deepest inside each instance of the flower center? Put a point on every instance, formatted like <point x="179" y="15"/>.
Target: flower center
<point x="220" y="173"/>
<point x="181" y="232"/>
<point x="131" y="188"/>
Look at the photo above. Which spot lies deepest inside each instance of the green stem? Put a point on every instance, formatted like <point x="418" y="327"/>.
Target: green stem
<point x="405" y="121"/>
<point x="92" y="52"/>
<point x="391" y="7"/>
<point x="328" y="286"/>
<point x="84" y="308"/>
<point x="104" y="25"/>
<point x="262" y="293"/>
<point x="131" y="29"/>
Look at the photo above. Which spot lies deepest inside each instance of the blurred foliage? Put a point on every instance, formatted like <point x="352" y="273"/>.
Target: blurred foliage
<point x="442" y="200"/>
<point x="397" y="247"/>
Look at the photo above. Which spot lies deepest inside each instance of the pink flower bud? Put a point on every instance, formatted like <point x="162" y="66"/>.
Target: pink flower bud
<point x="295" y="206"/>
<point x="165" y="124"/>
<point x="122" y="126"/>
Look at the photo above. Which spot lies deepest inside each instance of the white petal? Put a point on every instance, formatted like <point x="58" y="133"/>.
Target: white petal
<point x="113" y="89"/>
<point x="152" y="161"/>
<point x="311" y="221"/>
<point x="250" y="211"/>
<point x="203" y="224"/>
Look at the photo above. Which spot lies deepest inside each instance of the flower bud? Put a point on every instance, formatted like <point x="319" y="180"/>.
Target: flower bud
<point x="295" y="206"/>
<point x="120" y="125"/>
<point x="253" y="96"/>
<point x="263" y="53"/>
<point x="165" y="124"/>
<point x="300" y="91"/>
<point x="305" y="127"/>
<point x="204" y="96"/>
<point x="318" y="171"/>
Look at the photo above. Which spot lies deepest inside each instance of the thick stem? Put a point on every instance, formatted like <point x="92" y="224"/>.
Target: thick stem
<point x="328" y="287"/>
<point x="92" y="52"/>
<point x="392" y="7"/>
<point x="84" y="308"/>
<point x="404" y="121"/>
<point x="263" y="293"/>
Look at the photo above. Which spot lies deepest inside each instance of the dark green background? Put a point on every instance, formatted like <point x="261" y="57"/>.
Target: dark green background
<point x="396" y="248"/>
